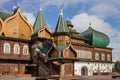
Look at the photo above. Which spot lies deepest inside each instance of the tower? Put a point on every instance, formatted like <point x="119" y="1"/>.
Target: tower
<point x="61" y="34"/>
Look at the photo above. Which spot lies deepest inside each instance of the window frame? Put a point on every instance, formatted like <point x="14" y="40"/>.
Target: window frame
<point x="97" y="57"/>
<point x="108" y="57"/>
<point x="25" y="50"/>
<point x="16" y="49"/>
<point x="6" y="48"/>
<point x="102" y="56"/>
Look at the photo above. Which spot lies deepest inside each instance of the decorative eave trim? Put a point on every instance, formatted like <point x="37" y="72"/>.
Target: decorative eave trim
<point x="40" y="38"/>
<point x="60" y="33"/>
<point x="14" y="39"/>
<point x="68" y="48"/>
<point x="45" y="28"/>
<point x="2" y="27"/>
<point x="53" y="46"/>
<point x="79" y="38"/>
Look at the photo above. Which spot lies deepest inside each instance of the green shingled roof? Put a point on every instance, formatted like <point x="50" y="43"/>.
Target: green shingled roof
<point x="45" y="46"/>
<point x="39" y="22"/>
<point x="96" y="38"/>
<point x="5" y="14"/>
<point x="61" y="25"/>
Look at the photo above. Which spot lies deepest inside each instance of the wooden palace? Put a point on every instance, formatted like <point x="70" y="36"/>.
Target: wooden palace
<point x="38" y="51"/>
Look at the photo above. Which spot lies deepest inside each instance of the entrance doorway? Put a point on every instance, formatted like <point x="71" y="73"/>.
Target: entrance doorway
<point x="84" y="71"/>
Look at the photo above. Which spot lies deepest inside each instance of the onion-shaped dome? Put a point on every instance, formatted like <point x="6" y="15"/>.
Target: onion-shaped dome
<point x="69" y="23"/>
<point x="96" y="38"/>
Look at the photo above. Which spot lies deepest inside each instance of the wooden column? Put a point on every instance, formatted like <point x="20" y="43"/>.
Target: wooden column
<point x="73" y="68"/>
<point x="19" y="68"/>
<point x="50" y="67"/>
<point x="61" y="69"/>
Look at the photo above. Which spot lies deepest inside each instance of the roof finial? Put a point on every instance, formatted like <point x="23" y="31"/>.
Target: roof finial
<point x="14" y="7"/>
<point x="18" y="3"/>
<point x="40" y="9"/>
<point x="61" y="7"/>
<point x="89" y="24"/>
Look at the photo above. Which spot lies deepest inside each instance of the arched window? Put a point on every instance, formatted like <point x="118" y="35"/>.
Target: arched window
<point x="103" y="57"/>
<point x="25" y="50"/>
<point x="16" y="49"/>
<point x="108" y="57"/>
<point x="96" y="56"/>
<point x="60" y="37"/>
<point x="6" y="48"/>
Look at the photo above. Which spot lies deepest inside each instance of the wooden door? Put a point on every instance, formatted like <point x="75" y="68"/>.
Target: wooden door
<point x="68" y="71"/>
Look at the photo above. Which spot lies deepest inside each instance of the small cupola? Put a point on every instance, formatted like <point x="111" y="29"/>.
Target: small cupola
<point x="69" y="24"/>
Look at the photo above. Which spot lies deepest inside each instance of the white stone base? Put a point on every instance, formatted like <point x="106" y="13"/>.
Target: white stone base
<point x="92" y="67"/>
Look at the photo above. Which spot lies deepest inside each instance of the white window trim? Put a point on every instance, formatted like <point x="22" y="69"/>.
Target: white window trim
<point x="6" y="51"/>
<point x="96" y="56"/>
<point x="108" y="57"/>
<point x="16" y="46"/>
<point x="24" y="47"/>
<point x="103" y="56"/>
<point x="84" y="54"/>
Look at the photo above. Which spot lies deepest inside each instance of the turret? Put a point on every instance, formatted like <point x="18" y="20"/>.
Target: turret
<point x="61" y="34"/>
<point x="40" y="27"/>
<point x="69" y="24"/>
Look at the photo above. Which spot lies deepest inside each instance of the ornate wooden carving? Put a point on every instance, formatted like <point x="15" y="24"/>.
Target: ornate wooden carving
<point x="17" y="26"/>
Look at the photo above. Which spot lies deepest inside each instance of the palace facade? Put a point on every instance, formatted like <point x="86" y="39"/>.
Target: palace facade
<point x="38" y="51"/>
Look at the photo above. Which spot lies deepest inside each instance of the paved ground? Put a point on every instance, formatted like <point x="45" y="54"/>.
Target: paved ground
<point x="108" y="77"/>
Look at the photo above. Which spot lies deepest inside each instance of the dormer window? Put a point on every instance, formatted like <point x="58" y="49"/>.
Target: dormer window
<point x="22" y="33"/>
<point x="15" y="31"/>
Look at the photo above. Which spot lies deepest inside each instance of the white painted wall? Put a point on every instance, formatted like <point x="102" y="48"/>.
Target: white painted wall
<point x="92" y="67"/>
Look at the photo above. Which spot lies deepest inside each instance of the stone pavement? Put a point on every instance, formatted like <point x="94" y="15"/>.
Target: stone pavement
<point x="97" y="77"/>
<point x="103" y="77"/>
<point x="106" y="77"/>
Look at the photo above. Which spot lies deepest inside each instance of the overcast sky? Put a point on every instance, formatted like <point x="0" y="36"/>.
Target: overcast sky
<point x="104" y="15"/>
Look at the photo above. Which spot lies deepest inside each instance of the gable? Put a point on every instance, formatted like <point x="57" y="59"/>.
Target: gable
<point x="16" y="26"/>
